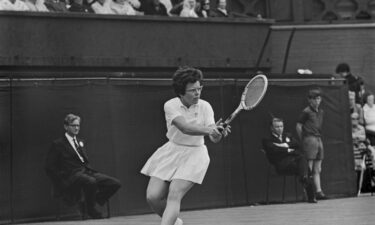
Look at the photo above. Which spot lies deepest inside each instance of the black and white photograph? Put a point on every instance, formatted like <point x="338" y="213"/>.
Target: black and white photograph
<point x="187" y="112"/>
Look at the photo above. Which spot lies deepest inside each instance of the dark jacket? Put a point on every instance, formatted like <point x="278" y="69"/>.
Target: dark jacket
<point x="62" y="162"/>
<point x="276" y="154"/>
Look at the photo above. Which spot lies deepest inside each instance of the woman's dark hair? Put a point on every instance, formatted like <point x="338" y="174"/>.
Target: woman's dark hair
<point x="342" y="67"/>
<point x="183" y="76"/>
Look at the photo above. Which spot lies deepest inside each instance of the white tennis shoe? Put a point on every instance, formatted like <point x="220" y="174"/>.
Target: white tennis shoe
<point x="179" y="222"/>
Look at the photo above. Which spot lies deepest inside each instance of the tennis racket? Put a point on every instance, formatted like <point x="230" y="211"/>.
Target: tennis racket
<point x="251" y="96"/>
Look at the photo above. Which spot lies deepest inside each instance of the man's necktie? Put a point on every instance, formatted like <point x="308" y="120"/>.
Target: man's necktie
<point x="78" y="149"/>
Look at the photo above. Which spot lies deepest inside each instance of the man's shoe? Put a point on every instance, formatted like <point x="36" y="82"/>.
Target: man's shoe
<point x="312" y="200"/>
<point x="320" y="196"/>
<point x="94" y="213"/>
<point x="179" y="222"/>
<point x="309" y="190"/>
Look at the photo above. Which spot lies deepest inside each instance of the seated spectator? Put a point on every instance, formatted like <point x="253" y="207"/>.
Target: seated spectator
<point x="355" y="108"/>
<point x="13" y="5"/>
<point x="369" y="118"/>
<point x="177" y="6"/>
<point x="68" y="167"/>
<point x="56" y="5"/>
<point x="188" y="9"/>
<point x="36" y="5"/>
<point x="361" y="147"/>
<point x="168" y="5"/>
<point x="283" y="152"/>
<point x="203" y="9"/>
<point x="81" y="6"/>
<point x="359" y="140"/>
<point x="125" y="7"/>
<point x="221" y="10"/>
<point x="153" y="7"/>
<point x="102" y="7"/>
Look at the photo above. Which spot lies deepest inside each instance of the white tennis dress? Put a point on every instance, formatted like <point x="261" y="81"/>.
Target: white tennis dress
<point x="183" y="156"/>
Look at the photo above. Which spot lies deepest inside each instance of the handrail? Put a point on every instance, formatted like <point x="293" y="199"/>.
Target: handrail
<point x="89" y="16"/>
<point x="323" y="26"/>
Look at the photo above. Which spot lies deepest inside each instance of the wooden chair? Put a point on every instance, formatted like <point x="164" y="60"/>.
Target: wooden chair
<point x="79" y="201"/>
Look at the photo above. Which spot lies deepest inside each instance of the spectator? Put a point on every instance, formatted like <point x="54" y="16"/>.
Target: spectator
<point x="81" y="6"/>
<point x="359" y="140"/>
<point x="125" y="7"/>
<point x="283" y="152"/>
<point x="203" y="9"/>
<point x="13" y="5"/>
<point x="167" y="4"/>
<point x="369" y="117"/>
<point x="221" y="10"/>
<point x="361" y="148"/>
<point x="354" y="82"/>
<point x="153" y="7"/>
<point x="102" y="7"/>
<point x="56" y="5"/>
<point x="68" y="167"/>
<point x="177" y="6"/>
<point x="188" y="9"/>
<point x="36" y="5"/>
<point x="355" y="108"/>
<point x="309" y="130"/>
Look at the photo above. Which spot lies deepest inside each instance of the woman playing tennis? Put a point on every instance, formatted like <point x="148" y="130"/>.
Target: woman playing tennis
<point x="183" y="161"/>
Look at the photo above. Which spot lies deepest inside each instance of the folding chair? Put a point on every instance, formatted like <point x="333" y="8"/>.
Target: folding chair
<point x="366" y="165"/>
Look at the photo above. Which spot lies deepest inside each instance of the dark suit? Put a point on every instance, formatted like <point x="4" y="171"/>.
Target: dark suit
<point x="284" y="161"/>
<point x="218" y="13"/>
<point x="69" y="174"/>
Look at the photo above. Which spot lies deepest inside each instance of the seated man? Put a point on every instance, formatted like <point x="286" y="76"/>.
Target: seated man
<point x="68" y="167"/>
<point x="282" y="152"/>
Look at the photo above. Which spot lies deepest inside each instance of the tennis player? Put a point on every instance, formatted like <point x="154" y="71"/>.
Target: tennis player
<point x="183" y="161"/>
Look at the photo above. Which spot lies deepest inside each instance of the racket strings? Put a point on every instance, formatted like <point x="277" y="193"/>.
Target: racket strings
<point x="255" y="91"/>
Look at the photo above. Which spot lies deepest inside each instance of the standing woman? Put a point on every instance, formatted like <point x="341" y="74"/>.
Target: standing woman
<point x="183" y="161"/>
<point x="369" y="117"/>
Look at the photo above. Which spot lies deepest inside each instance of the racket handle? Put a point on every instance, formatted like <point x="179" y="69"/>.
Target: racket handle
<point x="221" y="129"/>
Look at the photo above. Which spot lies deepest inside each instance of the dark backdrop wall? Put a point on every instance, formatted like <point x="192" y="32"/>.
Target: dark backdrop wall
<point x="321" y="48"/>
<point x="123" y="124"/>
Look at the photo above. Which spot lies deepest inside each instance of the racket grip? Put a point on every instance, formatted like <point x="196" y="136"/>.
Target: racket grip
<point x="221" y="129"/>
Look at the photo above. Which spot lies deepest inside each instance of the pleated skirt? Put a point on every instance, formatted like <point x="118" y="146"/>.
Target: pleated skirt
<point x="173" y="161"/>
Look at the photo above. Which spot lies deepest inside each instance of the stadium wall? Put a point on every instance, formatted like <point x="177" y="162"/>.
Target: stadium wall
<point x="321" y="47"/>
<point x="123" y="124"/>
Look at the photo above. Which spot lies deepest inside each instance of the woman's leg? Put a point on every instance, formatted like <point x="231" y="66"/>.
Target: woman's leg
<point x="156" y="194"/>
<point x="177" y="190"/>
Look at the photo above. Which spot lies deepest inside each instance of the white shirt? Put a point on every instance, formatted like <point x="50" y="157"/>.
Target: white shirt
<point x="369" y="116"/>
<point x="186" y="12"/>
<point x="16" y="6"/>
<point x="71" y="141"/>
<point x="38" y="6"/>
<point x="200" y="113"/>
<point x="123" y="9"/>
<point x="102" y="9"/>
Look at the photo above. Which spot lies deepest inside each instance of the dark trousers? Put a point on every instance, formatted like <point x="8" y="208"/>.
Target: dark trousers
<point x="293" y="164"/>
<point x="97" y="187"/>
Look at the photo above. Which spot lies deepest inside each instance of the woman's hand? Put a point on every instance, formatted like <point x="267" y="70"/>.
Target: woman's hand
<point x="223" y="128"/>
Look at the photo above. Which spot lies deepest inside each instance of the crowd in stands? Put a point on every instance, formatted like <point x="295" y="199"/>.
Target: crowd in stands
<point x="182" y="8"/>
<point x="362" y="111"/>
